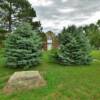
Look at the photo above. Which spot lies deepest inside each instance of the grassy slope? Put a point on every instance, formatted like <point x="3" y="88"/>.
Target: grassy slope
<point x="63" y="83"/>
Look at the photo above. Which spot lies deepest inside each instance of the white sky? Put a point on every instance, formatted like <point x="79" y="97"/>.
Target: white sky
<point x="55" y="14"/>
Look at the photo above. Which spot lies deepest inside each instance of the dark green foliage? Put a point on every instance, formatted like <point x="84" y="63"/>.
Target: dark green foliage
<point x="93" y="32"/>
<point x="13" y="12"/>
<point x="23" y="47"/>
<point x="74" y="47"/>
<point x="2" y="35"/>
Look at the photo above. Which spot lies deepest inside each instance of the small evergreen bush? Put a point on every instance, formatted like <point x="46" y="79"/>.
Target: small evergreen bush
<point x="23" y="47"/>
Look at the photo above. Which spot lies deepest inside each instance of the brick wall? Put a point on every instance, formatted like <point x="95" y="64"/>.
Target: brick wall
<point x="55" y="43"/>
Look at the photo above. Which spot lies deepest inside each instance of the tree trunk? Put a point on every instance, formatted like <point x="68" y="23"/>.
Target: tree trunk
<point x="10" y="17"/>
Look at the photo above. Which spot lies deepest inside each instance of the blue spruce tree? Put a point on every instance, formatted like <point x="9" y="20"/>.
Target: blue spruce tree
<point x="74" y="47"/>
<point x="23" y="47"/>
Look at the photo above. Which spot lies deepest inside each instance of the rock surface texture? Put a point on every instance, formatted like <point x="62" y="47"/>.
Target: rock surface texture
<point x="24" y="80"/>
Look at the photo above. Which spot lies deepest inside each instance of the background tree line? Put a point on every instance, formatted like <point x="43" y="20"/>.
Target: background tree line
<point x="15" y="12"/>
<point x="93" y="33"/>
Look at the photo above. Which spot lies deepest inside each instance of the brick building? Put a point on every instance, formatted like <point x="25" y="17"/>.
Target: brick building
<point x="50" y="41"/>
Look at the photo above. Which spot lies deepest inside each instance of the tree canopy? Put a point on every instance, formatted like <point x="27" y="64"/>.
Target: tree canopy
<point x="14" y="12"/>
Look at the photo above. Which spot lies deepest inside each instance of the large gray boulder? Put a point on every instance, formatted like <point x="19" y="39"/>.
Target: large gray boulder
<point x="24" y="80"/>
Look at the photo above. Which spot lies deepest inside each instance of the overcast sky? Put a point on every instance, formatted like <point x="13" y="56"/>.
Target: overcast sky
<point x="55" y="14"/>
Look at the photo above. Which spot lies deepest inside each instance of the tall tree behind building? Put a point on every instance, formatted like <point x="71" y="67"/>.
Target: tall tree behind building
<point x="13" y="12"/>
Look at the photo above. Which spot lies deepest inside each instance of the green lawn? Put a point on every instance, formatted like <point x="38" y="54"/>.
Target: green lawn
<point x="63" y="83"/>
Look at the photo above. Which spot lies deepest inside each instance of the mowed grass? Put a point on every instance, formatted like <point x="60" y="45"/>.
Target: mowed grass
<point x="63" y="82"/>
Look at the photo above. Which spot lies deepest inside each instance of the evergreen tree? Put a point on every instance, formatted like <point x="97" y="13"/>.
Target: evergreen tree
<point x="93" y="33"/>
<point x="13" y="12"/>
<point x="23" y="47"/>
<point x="74" y="47"/>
